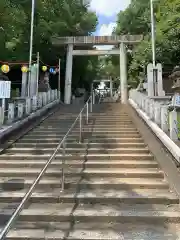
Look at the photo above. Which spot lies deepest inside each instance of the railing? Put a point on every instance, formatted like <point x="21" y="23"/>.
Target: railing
<point x="156" y="110"/>
<point x="159" y="112"/>
<point x="19" y="108"/>
<point x="88" y="106"/>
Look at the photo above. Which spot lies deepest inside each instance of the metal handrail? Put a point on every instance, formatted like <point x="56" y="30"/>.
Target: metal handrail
<point x="16" y="213"/>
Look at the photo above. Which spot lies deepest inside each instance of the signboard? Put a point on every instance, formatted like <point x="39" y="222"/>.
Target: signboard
<point x="5" y="89"/>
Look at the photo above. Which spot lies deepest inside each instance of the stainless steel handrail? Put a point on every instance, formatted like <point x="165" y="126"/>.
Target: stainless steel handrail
<point x="62" y="143"/>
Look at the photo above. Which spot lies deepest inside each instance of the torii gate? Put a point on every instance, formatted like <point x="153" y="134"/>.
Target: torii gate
<point x="96" y="40"/>
<point x="104" y="81"/>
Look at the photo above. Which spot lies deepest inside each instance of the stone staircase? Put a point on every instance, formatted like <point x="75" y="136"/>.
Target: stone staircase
<point x="114" y="187"/>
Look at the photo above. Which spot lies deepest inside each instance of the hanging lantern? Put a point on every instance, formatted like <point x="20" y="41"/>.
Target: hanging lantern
<point x="5" y="68"/>
<point x="51" y="70"/>
<point x="24" y="69"/>
<point x="44" y="68"/>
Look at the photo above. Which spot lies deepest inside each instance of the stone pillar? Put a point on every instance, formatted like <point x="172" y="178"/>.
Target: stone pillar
<point x="11" y="112"/>
<point x="44" y="98"/>
<point x="32" y="83"/>
<point x="34" y="103"/>
<point x="164" y="118"/>
<point x="93" y="97"/>
<point x="28" y="106"/>
<point x="150" y="83"/>
<point x="173" y="125"/>
<point x="157" y="113"/>
<point x="24" y="85"/>
<point x="56" y="94"/>
<point x="161" y="92"/>
<point x="49" y="96"/>
<point x="151" y="109"/>
<point x="40" y="100"/>
<point x="20" y="110"/>
<point x="123" y="73"/>
<point x="52" y="95"/>
<point x="111" y="87"/>
<point x="68" y="78"/>
<point x="1" y="115"/>
<point x="147" y="106"/>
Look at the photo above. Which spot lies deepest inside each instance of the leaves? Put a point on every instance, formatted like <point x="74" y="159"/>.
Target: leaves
<point x="52" y="17"/>
<point x="136" y="20"/>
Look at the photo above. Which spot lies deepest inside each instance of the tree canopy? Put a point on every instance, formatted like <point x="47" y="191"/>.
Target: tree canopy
<point x="136" y="20"/>
<point x="52" y="17"/>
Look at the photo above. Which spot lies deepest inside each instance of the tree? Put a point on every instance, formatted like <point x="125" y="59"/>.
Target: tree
<point x="52" y="17"/>
<point x="136" y="20"/>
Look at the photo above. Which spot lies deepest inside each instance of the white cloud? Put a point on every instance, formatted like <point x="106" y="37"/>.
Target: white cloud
<point x="106" y="30"/>
<point x="108" y="7"/>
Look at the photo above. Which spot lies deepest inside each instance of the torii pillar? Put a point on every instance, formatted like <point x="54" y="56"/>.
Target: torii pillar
<point x="123" y="73"/>
<point x="68" y="77"/>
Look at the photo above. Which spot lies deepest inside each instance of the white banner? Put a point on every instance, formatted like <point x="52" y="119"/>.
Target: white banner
<point x="5" y="89"/>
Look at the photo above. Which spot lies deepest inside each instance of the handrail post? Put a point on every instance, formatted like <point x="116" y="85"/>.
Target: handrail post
<point x="91" y="103"/>
<point x="62" y="166"/>
<point x="87" y="113"/>
<point x="80" y="127"/>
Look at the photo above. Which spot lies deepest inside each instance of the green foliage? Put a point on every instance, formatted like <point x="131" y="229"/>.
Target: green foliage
<point x="136" y="20"/>
<point x="52" y="17"/>
<point x="106" y="69"/>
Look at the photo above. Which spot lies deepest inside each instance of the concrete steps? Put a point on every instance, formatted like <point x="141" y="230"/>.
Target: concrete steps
<point x="89" y="172"/>
<point x="114" y="188"/>
<point x="93" y="157"/>
<point x="95" y="231"/>
<point x="49" y="140"/>
<point x="61" y="212"/>
<point x="80" y="163"/>
<point x="88" y="183"/>
<point x="103" y="196"/>
<point x="51" y="145"/>
<point x="79" y="150"/>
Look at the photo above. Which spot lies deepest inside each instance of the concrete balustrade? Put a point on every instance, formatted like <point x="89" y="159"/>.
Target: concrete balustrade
<point x="22" y="108"/>
<point x="157" y="111"/>
<point x="161" y="118"/>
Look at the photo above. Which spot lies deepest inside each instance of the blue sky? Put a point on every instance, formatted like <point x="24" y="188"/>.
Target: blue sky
<point x="106" y="11"/>
<point x="104" y="20"/>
